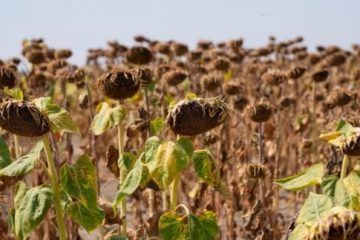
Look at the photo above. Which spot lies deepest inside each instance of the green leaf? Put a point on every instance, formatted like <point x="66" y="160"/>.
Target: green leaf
<point x="310" y="177"/>
<point x="130" y="184"/>
<point x="207" y="171"/>
<point x="340" y="191"/>
<point x="31" y="206"/>
<point x="169" y="161"/>
<point x="156" y="125"/>
<point x="15" y="93"/>
<point x="187" y="145"/>
<point x="117" y="238"/>
<point x="315" y="207"/>
<point x="328" y="185"/>
<point x="151" y="146"/>
<point x="79" y="181"/>
<point x="174" y="227"/>
<point x="170" y="226"/>
<point x="145" y="177"/>
<point x="299" y="233"/>
<point x="24" y="164"/>
<point x="89" y="219"/>
<point x="345" y="128"/>
<point x="127" y="161"/>
<point x="60" y="119"/>
<point x="203" y="227"/>
<point x="106" y="118"/>
<point x="5" y="156"/>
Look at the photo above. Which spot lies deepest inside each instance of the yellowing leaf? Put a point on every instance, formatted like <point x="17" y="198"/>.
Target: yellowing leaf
<point x="311" y="176"/>
<point x="169" y="160"/>
<point x="15" y="93"/>
<point x="106" y="118"/>
<point x="314" y="209"/>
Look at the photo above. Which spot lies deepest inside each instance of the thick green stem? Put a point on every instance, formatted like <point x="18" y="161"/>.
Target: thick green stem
<point x="174" y="192"/>
<point x="55" y="188"/>
<point x="121" y="143"/>
<point x="344" y="166"/>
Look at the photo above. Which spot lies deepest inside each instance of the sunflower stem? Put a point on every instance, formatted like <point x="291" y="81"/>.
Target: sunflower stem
<point x="173" y="192"/>
<point x="17" y="146"/>
<point x="55" y="187"/>
<point x="121" y="142"/>
<point x="344" y="166"/>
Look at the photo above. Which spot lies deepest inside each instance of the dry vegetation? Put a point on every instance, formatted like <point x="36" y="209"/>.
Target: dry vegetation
<point x="195" y="138"/>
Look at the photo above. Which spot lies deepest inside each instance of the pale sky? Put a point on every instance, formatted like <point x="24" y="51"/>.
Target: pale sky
<point x="83" y="24"/>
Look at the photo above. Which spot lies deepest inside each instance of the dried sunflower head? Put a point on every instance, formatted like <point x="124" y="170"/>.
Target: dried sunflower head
<point x="336" y="59"/>
<point x="260" y="112"/>
<point x="341" y="223"/>
<point x="221" y="64"/>
<point x="232" y="88"/>
<point x="340" y="98"/>
<point x="7" y="77"/>
<point x="63" y="54"/>
<point x="351" y="146"/>
<point x="175" y="77"/>
<point x="296" y="72"/>
<point x="23" y="119"/>
<point x="274" y="77"/>
<point x="118" y="84"/>
<point x="256" y="170"/>
<point x="143" y="75"/>
<point x="320" y="76"/>
<point x="198" y="115"/>
<point x="180" y="49"/>
<point x="211" y="82"/>
<point x="139" y="55"/>
<point x="35" y="56"/>
<point x="240" y="102"/>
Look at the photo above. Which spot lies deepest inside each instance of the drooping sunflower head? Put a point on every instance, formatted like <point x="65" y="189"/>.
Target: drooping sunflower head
<point x="23" y="119"/>
<point x="190" y="117"/>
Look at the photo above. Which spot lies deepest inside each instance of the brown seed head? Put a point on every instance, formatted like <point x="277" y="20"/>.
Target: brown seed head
<point x="143" y="75"/>
<point x="320" y="76"/>
<point x="352" y="145"/>
<point x="175" y="77"/>
<point x="139" y="55"/>
<point x="256" y="170"/>
<point x="260" y="112"/>
<point x="232" y="88"/>
<point x="7" y="77"/>
<point x="240" y="102"/>
<point x="35" y="56"/>
<point x="335" y="60"/>
<point x="196" y="116"/>
<point x="341" y="223"/>
<point x="63" y="54"/>
<point x="340" y="98"/>
<point x="274" y="77"/>
<point x="179" y="49"/>
<point x="221" y="64"/>
<point x="212" y="81"/>
<point x="296" y="72"/>
<point x="118" y="84"/>
<point x="23" y="119"/>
